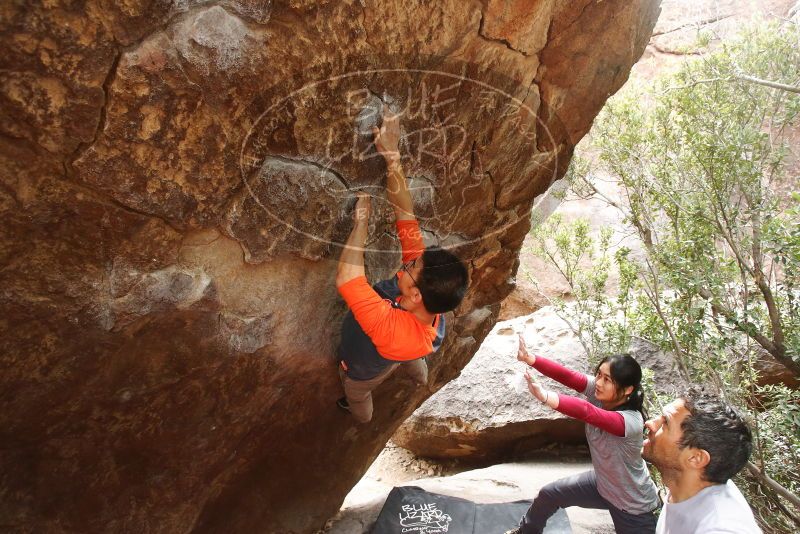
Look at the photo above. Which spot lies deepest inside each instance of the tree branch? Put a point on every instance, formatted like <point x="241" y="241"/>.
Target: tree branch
<point x="749" y="329"/>
<point x="761" y="283"/>
<point x="774" y="486"/>
<point x="652" y="294"/>
<point x="697" y="24"/>
<point x="768" y="83"/>
<point x="740" y="77"/>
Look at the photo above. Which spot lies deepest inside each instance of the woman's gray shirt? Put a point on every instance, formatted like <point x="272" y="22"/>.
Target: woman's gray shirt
<point x="622" y="476"/>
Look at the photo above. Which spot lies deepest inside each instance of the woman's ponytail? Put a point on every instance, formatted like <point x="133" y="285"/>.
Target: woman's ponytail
<point x="635" y="401"/>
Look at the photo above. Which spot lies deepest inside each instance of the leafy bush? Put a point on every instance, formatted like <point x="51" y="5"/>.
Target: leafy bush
<point x="702" y="161"/>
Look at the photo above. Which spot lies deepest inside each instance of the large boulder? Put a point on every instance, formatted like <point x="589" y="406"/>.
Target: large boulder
<point x="176" y="179"/>
<point x="771" y="371"/>
<point x="487" y="413"/>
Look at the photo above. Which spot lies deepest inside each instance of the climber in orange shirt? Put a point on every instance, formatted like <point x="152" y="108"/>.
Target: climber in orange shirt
<point x="400" y="319"/>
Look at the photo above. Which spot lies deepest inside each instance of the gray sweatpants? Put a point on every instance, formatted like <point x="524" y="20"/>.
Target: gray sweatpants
<point x="581" y="490"/>
<point x="359" y="392"/>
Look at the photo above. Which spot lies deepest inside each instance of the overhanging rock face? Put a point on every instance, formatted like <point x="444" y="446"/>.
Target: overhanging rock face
<point x="176" y="185"/>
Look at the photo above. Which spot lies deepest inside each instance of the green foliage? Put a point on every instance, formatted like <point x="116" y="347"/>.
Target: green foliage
<point x="698" y="167"/>
<point x="597" y="320"/>
<point x="701" y="161"/>
<point x="778" y="421"/>
<point x="782" y="242"/>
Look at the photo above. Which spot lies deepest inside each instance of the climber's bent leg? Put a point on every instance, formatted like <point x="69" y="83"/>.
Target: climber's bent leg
<point x="359" y="393"/>
<point x="417" y="370"/>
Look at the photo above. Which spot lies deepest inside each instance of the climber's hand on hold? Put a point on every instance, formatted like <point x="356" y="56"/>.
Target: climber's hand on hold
<point x="387" y="137"/>
<point x="387" y="143"/>
<point x="363" y="209"/>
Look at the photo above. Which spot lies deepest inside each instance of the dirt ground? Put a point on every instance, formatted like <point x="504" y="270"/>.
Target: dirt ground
<point x="395" y="465"/>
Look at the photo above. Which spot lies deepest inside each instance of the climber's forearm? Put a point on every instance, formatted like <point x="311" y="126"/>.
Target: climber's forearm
<point x="351" y="262"/>
<point x="397" y="190"/>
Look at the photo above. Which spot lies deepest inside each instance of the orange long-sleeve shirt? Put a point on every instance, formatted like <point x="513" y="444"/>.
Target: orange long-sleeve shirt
<point x="395" y="334"/>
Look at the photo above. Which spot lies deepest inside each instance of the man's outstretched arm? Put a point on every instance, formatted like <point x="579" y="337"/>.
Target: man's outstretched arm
<point x="396" y="334"/>
<point x="387" y="141"/>
<point x="351" y="262"/>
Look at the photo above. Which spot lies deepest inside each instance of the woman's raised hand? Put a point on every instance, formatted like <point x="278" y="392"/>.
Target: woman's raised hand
<point x="522" y="353"/>
<point x="536" y="390"/>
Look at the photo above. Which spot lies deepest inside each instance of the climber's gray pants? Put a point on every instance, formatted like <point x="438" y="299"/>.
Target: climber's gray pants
<point x="359" y="392"/>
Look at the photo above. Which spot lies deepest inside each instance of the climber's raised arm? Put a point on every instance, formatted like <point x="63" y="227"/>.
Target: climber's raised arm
<point x="387" y="141"/>
<point x="351" y="262"/>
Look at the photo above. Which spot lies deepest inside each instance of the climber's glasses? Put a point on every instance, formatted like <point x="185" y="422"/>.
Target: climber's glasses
<point x="406" y="267"/>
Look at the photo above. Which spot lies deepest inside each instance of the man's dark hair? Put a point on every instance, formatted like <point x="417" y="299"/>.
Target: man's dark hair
<point x="717" y="428"/>
<point x="443" y="280"/>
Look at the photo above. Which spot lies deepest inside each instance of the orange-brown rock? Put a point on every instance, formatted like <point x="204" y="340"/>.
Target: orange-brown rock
<point x="175" y="185"/>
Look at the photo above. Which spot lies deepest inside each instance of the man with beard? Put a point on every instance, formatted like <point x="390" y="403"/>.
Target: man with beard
<point x="697" y="444"/>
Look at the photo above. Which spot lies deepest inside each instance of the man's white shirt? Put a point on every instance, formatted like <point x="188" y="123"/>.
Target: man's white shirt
<point x="717" y="509"/>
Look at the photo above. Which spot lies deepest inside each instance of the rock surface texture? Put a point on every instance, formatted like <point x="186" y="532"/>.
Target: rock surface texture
<point x="175" y="184"/>
<point x="487" y="413"/>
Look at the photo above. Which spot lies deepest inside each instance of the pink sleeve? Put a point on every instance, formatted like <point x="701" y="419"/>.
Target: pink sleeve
<point x="611" y="422"/>
<point x="556" y="371"/>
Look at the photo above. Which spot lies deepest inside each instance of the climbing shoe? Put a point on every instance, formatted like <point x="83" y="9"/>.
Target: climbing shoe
<point x="343" y="404"/>
<point x="514" y="531"/>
